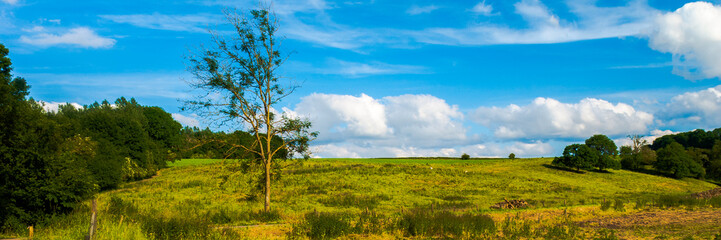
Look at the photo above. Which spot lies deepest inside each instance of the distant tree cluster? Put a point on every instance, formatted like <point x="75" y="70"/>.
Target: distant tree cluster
<point x="49" y="162"/>
<point x="695" y="154"/>
<point x="690" y="154"/>
<point x="599" y="152"/>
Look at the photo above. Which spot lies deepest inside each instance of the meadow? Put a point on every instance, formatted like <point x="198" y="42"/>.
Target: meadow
<point x="396" y="198"/>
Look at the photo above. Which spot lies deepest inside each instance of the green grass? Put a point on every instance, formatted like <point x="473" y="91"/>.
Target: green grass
<point x="193" y="162"/>
<point x="206" y="191"/>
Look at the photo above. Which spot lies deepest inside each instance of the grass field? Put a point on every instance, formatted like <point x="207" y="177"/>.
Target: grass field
<point x="199" y="199"/>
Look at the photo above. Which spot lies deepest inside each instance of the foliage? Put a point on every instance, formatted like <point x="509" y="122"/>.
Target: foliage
<point x="422" y="222"/>
<point x="577" y="156"/>
<point x="323" y="225"/>
<point x="465" y="156"/>
<point x="512" y="156"/>
<point x="674" y="159"/>
<point x="243" y="70"/>
<point x="50" y="162"/>
<point x="606" y="150"/>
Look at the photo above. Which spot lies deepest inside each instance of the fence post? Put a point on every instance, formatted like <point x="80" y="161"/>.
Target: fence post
<point x="93" y="221"/>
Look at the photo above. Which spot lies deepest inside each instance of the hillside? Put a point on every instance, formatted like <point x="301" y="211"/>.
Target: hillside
<point x="198" y="192"/>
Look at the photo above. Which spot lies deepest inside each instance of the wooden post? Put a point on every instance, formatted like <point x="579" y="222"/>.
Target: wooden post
<point x="93" y="221"/>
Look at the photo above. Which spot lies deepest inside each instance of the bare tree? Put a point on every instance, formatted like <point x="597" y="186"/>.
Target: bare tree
<point x="638" y="142"/>
<point x="240" y="85"/>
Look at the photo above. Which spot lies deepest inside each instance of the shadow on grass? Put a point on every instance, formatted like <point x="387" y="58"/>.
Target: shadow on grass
<point x="562" y="168"/>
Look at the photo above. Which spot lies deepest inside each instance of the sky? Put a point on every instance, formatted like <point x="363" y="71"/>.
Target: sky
<point x="401" y="78"/>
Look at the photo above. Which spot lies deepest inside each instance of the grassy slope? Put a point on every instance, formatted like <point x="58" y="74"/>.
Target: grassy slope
<point x="385" y="185"/>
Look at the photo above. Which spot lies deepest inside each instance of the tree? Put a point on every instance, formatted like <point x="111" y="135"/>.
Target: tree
<point x="638" y="142"/>
<point x="673" y="158"/>
<point x="243" y="71"/>
<point x="465" y="156"/>
<point x="629" y="159"/>
<point x="578" y="156"/>
<point x="512" y="156"/>
<point x="606" y="150"/>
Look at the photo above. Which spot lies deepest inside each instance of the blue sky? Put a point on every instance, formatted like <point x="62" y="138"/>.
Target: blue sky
<point x="405" y="78"/>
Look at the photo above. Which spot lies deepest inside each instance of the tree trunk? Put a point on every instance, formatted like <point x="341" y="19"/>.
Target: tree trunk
<point x="267" y="187"/>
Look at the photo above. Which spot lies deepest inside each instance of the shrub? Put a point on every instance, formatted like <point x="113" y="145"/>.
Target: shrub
<point x="421" y="222"/>
<point x="321" y="225"/>
<point x="605" y="205"/>
<point x="618" y="206"/>
<point x="176" y="228"/>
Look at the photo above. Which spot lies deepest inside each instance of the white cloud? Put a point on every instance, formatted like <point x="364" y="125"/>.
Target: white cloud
<point x="701" y="109"/>
<point x="189" y="121"/>
<point x="356" y="69"/>
<point x="547" y="118"/>
<point x="544" y="27"/>
<point x="187" y="23"/>
<point x="424" y="120"/>
<point x="79" y="37"/>
<point x="692" y="34"/>
<point x="483" y="8"/>
<point x="342" y="116"/>
<point x="11" y="2"/>
<point x="415" y="9"/>
<point x="394" y="125"/>
<point x="54" y="106"/>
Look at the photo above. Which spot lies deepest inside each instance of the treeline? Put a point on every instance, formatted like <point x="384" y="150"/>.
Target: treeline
<point x="206" y="144"/>
<point x="49" y="162"/>
<point x="695" y="154"/>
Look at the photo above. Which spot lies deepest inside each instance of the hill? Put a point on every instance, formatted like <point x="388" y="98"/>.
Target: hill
<point x="205" y="198"/>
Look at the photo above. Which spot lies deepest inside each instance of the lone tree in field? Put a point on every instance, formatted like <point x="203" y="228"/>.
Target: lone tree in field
<point x="240" y="84"/>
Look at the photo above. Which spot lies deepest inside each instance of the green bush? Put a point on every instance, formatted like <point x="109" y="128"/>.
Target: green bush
<point x="421" y="222"/>
<point x="465" y="156"/>
<point x="322" y="225"/>
<point x="605" y="205"/>
<point x="619" y="206"/>
<point x="176" y="228"/>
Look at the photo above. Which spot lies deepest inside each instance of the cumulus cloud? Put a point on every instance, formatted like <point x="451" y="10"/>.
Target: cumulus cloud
<point x="415" y="9"/>
<point x="188" y="121"/>
<point x="424" y="119"/>
<point x="78" y="37"/>
<point x="343" y="116"/>
<point x="187" y="23"/>
<point x="394" y="125"/>
<point x="693" y="35"/>
<point x="698" y="109"/>
<point x="547" y="118"/>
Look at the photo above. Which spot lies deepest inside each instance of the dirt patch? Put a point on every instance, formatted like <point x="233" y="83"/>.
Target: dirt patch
<point x="657" y="218"/>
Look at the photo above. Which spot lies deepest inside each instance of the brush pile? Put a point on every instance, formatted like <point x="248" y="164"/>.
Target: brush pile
<point x="512" y="204"/>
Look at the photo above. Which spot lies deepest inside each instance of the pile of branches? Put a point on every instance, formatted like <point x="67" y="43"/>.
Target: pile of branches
<point x="512" y="204"/>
